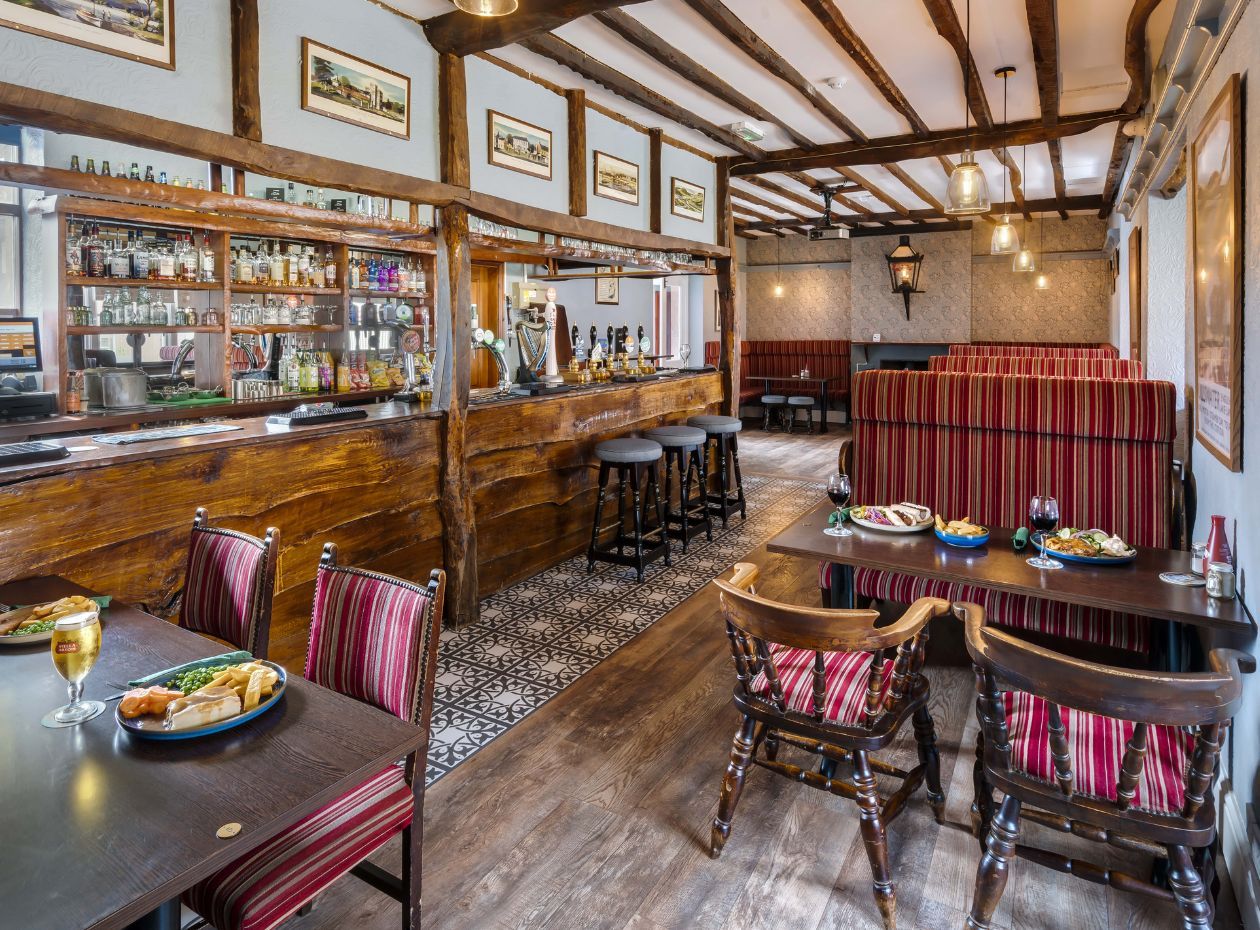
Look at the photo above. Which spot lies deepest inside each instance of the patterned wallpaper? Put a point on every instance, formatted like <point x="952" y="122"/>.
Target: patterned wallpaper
<point x="814" y="305"/>
<point x="762" y="250"/>
<point x="1075" y="234"/>
<point x="941" y="314"/>
<point x="1076" y="308"/>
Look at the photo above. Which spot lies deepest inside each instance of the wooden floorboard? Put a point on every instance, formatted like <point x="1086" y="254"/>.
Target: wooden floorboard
<point x="594" y="811"/>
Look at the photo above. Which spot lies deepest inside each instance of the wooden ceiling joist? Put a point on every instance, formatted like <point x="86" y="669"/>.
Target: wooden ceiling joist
<point x="814" y="184"/>
<point x="744" y="196"/>
<point x="1135" y="62"/>
<point x="895" y="220"/>
<point x="874" y="190"/>
<point x="1043" y="29"/>
<point x="915" y="187"/>
<point x="945" y="20"/>
<point x="1014" y="176"/>
<point x="692" y="71"/>
<point x="576" y="60"/>
<point x="1119" y="148"/>
<point x="729" y="25"/>
<point x="461" y="33"/>
<point x="788" y="194"/>
<point x="1056" y="168"/>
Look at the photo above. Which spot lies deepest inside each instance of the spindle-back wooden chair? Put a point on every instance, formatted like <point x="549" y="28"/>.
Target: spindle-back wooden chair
<point x="1150" y="742"/>
<point x="831" y="683"/>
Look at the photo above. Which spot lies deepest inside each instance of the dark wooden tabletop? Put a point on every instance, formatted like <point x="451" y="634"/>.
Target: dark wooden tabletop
<point x="100" y="828"/>
<point x="807" y="379"/>
<point x="1134" y="588"/>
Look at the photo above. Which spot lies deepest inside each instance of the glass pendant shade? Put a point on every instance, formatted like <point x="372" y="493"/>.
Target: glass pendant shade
<point x="1005" y="238"/>
<point x="487" y="7"/>
<point x="1025" y="260"/>
<point x="1042" y="282"/>
<point x="968" y="190"/>
<point x="778" y="290"/>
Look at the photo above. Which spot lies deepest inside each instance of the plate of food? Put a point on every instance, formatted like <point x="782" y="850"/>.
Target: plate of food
<point x="1090" y="547"/>
<point x="202" y="700"/>
<point x="962" y="533"/>
<point x="896" y="518"/>
<point x="25" y="626"/>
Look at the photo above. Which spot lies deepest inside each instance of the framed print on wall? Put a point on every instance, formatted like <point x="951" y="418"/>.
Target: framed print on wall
<point x="607" y="290"/>
<point x="686" y="199"/>
<point x="343" y="87"/>
<point x="616" y="178"/>
<point x="143" y="31"/>
<point x="1217" y="238"/>
<point x="518" y="145"/>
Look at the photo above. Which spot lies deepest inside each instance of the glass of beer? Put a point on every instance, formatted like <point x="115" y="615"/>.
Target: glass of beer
<point x="76" y="643"/>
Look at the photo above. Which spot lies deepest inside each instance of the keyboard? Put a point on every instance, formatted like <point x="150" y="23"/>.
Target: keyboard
<point x="311" y="414"/>
<point x="23" y="453"/>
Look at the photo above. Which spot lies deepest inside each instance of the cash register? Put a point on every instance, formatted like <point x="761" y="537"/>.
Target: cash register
<point x="20" y="361"/>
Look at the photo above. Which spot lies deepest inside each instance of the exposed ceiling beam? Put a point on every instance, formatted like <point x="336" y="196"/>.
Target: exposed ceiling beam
<point x="945" y="19"/>
<point x="912" y="229"/>
<point x="717" y="15"/>
<point x="914" y="186"/>
<point x="1119" y="148"/>
<point x="789" y="194"/>
<point x="1135" y="63"/>
<point x="1056" y="166"/>
<point x="814" y="184"/>
<point x="1043" y="28"/>
<point x="874" y="190"/>
<point x="575" y="59"/>
<point x="759" y="227"/>
<point x="1047" y="205"/>
<point x="463" y="33"/>
<point x="757" y="215"/>
<point x="909" y="146"/>
<point x="1014" y="176"/>
<point x="847" y="38"/>
<point x="743" y="196"/>
<point x="692" y="71"/>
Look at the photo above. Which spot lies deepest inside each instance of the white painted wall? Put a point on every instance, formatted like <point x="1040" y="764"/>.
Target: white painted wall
<point x="60" y="147"/>
<point x="635" y="308"/>
<point x="1166" y="291"/>
<point x="675" y="163"/>
<point x="621" y="141"/>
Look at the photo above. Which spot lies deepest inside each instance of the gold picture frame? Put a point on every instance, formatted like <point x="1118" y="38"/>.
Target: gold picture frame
<point x="350" y="89"/>
<point x="615" y="178"/>
<point x="518" y="146"/>
<point x="102" y="28"/>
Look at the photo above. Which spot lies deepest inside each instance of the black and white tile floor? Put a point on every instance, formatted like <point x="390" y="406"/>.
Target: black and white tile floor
<point x="539" y="636"/>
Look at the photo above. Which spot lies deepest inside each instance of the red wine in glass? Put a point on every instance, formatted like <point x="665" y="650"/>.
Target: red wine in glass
<point x="839" y="489"/>
<point x="1043" y="513"/>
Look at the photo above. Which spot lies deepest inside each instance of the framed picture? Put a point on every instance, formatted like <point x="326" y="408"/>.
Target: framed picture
<point x="1216" y="222"/>
<point x="518" y="145"/>
<point x="686" y="199"/>
<point x="616" y="178"/>
<point x="142" y="30"/>
<point x="607" y="290"/>
<point x="342" y="87"/>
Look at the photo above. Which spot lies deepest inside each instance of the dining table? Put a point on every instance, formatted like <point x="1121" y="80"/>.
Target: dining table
<point x="805" y="379"/>
<point x="104" y="830"/>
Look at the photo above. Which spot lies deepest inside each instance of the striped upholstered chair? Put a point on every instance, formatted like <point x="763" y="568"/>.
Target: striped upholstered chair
<point x="374" y="638"/>
<point x="229" y="585"/>
<point x="1122" y="757"/>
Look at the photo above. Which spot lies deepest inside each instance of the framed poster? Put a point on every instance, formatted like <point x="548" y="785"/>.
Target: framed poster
<point x="518" y="145"/>
<point x="343" y="87"/>
<point x="607" y="290"/>
<point x="1216" y="228"/>
<point x="686" y="199"/>
<point x="142" y="30"/>
<point x="616" y="178"/>
<point x="1137" y="327"/>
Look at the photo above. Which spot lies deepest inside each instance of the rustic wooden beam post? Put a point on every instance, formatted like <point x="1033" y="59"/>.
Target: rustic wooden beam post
<point x="722" y="200"/>
<point x="454" y="371"/>
<point x="727" y="283"/>
<point x="654" y="180"/>
<point x="246" y="108"/>
<point x="576" y="98"/>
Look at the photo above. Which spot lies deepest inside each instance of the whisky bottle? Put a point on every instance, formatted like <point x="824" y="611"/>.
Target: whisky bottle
<point x="190" y="262"/>
<point x="291" y="266"/>
<point x="166" y="262"/>
<point x="277" y="265"/>
<point x="206" y="259"/>
<point x="262" y="264"/>
<point x="74" y="251"/>
<point x="330" y="269"/>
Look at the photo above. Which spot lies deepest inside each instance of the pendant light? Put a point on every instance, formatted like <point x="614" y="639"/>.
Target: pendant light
<point x="1005" y="239"/>
<point x="1025" y="260"/>
<point x="487" y="7"/>
<point x="778" y="267"/>
<point x="968" y="191"/>
<point x="1042" y="281"/>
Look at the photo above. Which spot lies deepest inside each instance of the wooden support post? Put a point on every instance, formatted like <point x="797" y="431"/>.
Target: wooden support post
<point x="453" y="120"/>
<point x="238" y="182"/>
<point x="246" y="107"/>
<point x="654" y="180"/>
<point x="216" y="178"/>
<point x="722" y="223"/>
<point x="729" y="335"/>
<point x="577" y="151"/>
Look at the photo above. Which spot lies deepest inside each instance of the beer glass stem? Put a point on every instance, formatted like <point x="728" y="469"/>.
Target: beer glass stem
<point x="76" y="694"/>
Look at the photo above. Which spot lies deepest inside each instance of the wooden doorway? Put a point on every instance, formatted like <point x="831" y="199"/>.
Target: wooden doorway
<point x="487" y="295"/>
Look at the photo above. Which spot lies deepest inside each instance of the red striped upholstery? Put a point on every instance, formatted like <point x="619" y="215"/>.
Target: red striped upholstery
<point x="223" y="594"/>
<point x="1044" y="366"/>
<point x="266" y="886"/>
<point x="1061" y="350"/>
<point x="365" y="634"/>
<point x="845" y="674"/>
<point x="1097" y="747"/>
<point x="825" y="358"/>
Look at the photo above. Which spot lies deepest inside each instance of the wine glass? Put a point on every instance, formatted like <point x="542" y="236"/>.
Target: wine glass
<point x="76" y="644"/>
<point x="684" y="352"/>
<point x="839" y="489"/>
<point x="1043" y="513"/>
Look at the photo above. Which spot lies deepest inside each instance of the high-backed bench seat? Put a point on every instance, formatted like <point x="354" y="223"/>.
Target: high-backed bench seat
<point x="1042" y="366"/>
<point x="825" y="358"/>
<point x="1045" y="349"/>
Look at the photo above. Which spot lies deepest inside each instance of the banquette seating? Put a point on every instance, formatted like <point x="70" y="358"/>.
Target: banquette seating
<point x="825" y="358"/>
<point x="1047" y="366"/>
<point x="1087" y="350"/>
<point x="981" y="445"/>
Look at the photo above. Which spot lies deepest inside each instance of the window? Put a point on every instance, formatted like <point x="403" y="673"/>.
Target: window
<point x="10" y="228"/>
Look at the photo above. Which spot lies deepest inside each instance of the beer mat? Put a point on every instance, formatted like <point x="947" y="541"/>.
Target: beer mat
<point x="171" y="432"/>
<point x="1185" y="579"/>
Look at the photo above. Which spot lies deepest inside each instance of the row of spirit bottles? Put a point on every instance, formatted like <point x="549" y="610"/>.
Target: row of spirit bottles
<point x="383" y="273"/>
<point x="132" y="174"/>
<point x="131" y="255"/>
<point x="294" y="266"/>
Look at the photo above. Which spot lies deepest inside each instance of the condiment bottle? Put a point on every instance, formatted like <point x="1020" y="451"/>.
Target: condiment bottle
<point x="1218" y="542"/>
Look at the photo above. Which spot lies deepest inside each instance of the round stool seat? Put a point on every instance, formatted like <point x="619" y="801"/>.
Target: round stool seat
<point x="628" y="451"/>
<point x="674" y="437"/>
<point x="770" y="399"/>
<point x="800" y="401"/>
<point x="716" y="425"/>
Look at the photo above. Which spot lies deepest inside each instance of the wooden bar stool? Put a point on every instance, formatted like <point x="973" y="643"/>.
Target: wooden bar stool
<point x="683" y="445"/>
<point x="800" y="403"/>
<point x="723" y="445"/>
<point x="633" y="458"/>
<point x="772" y="407"/>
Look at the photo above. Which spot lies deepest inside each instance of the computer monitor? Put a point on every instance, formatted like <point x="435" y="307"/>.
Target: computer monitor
<point x="19" y="346"/>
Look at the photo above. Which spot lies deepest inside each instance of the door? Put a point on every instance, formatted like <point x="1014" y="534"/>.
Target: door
<point x="487" y="295"/>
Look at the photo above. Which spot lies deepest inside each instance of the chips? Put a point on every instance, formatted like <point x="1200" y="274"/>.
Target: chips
<point x="58" y="609"/>
<point x="253" y="681"/>
<point x="963" y="527"/>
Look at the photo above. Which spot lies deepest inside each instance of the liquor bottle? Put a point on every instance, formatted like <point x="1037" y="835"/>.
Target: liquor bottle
<point x="165" y="262"/>
<point x="190" y="264"/>
<point x="291" y="195"/>
<point x="175" y="182"/>
<point x="276" y="272"/>
<point x="74" y="251"/>
<point x="74" y="400"/>
<point x="291" y="266"/>
<point x="105" y="172"/>
<point x="292" y="369"/>
<point x="393" y="277"/>
<point x="74" y="164"/>
<point x="141" y="263"/>
<point x="206" y="259"/>
<point x="352" y="270"/>
<point x="404" y="276"/>
<point x="120" y="259"/>
<point x="418" y="280"/>
<point x="161" y="177"/>
<point x="309" y="201"/>
<point x="262" y="264"/>
<point x="122" y="171"/>
<point x="320" y="202"/>
<point x="91" y="166"/>
<point x="96" y="254"/>
<point x="304" y="267"/>
<point x="135" y="172"/>
<point x="330" y="269"/>
<point x="148" y="173"/>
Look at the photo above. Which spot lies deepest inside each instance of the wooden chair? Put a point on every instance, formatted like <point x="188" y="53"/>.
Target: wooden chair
<point x="831" y="683"/>
<point x="229" y="584"/>
<point x="374" y="638"/>
<point x="1154" y="795"/>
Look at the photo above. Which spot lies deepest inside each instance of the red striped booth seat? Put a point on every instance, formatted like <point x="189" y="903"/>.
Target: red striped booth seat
<point x="1092" y="350"/>
<point x="846" y="674"/>
<point x="981" y="445"/>
<point x="228" y="585"/>
<point x="1038" y="366"/>
<point x="825" y="358"/>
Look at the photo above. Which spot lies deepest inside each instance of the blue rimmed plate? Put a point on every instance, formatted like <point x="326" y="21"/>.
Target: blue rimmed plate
<point x="1087" y="559"/>
<point x="151" y="726"/>
<point x="962" y="542"/>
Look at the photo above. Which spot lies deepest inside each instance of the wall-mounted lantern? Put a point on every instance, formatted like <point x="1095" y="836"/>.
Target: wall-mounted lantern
<point x="903" y="270"/>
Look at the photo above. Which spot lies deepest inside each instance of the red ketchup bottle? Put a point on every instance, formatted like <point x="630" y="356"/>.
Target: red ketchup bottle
<point x="1218" y="542"/>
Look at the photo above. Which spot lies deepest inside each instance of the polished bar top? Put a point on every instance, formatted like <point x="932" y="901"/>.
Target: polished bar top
<point x="669" y="376"/>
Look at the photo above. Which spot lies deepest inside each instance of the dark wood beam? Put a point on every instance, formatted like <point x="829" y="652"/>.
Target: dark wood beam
<point x="1056" y="167"/>
<point x="654" y="180"/>
<point x="914" y="186"/>
<point x="744" y="196"/>
<point x="745" y="235"/>
<point x="814" y="184"/>
<point x="246" y="108"/>
<point x="461" y="33"/>
<point x="773" y="228"/>
<point x="722" y="220"/>
<point x="911" y="229"/>
<point x="1119" y="150"/>
<point x="692" y="71"/>
<point x="1135" y="63"/>
<point x="729" y="334"/>
<point x="453" y="121"/>
<point x="874" y="190"/>
<point x="576" y="100"/>
<point x="716" y="14"/>
<point x="1043" y="28"/>
<point x="1014" y="177"/>
<point x="948" y="26"/>
<point x="847" y="38"/>
<point x="909" y="146"/>
<point x="592" y="69"/>
<point x="789" y="194"/>
<point x="1048" y="205"/>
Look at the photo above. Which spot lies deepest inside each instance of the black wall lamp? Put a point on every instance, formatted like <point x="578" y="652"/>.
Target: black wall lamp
<point x="903" y="270"/>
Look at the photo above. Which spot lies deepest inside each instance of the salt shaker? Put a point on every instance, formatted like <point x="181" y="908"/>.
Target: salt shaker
<point x="1220" y="580"/>
<point x="1198" y="559"/>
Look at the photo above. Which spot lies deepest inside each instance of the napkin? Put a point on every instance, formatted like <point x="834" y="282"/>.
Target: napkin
<point x="228" y="658"/>
<point x="1020" y="539"/>
<point x="831" y="517"/>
